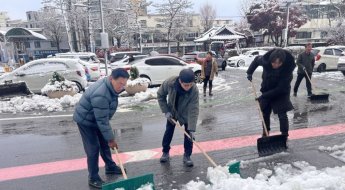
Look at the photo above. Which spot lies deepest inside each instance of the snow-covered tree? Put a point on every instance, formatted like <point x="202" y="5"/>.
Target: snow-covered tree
<point x="270" y="16"/>
<point x="208" y="14"/>
<point x="53" y="25"/>
<point x="174" y="13"/>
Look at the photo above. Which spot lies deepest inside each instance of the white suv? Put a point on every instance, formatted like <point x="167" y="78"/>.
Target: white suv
<point x="90" y="61"/>
<point x="37" y="73"/>
<point x="326" y="58"/>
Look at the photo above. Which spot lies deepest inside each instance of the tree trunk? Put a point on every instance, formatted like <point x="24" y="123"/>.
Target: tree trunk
<point x="118" y="42"/>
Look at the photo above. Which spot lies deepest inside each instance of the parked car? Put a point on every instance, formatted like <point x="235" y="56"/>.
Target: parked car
<point x="341" y="64"/>
<point x="326" y="58"/>
<point x="125" y="61"/>
<point x="159" y="68"/>
<point x="192" y="57"/>
<point x="120" y="55"/>
<point x="89" y="60"/>
<point x="244" y="60"/>
<point x="37" y="73"/>
<point x="338" y="47"/>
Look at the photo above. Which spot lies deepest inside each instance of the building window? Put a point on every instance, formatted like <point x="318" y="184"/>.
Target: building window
<point x="29" y="16"/>
<point x="143" y="23"/>
<point x="303" y="35"/>
<point x="37" y="44"/>
<point x="190" y="23"/>
<point x="53" y="44"/>
<point x="27" y="44"/>
<point x="159" y="26"/>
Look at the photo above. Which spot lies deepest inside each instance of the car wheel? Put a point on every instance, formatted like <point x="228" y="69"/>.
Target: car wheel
<point x="198" y="77"/>
<point x="145" y="76"/>
<point x="343" y="72"/>
<point x="80" y="88"/>
<point x="241" y="63"/>
<point x="321" y="68"/>
<point x="223" y="66"/>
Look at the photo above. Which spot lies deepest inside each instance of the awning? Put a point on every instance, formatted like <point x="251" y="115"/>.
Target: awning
<point x="16" y="33"/>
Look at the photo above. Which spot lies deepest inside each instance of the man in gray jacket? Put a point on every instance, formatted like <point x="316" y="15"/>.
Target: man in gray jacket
<point x="92" y="114"/>
<point x="305" y="62"/>
<point x="178" y="98"/>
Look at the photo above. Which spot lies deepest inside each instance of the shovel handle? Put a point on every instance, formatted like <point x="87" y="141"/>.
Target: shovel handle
<point x="120" y="163"/>
<point x="309" y="79"/>
<point x="259" y="108"/>
<point x="196" y="144"/>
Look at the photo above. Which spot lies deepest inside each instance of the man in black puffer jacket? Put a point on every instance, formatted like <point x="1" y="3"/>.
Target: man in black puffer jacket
<point x="278" y="65"/>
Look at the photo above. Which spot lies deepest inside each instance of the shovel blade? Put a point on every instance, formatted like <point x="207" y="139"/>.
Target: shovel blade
<point x="319" y="97"/>
<point x="271" y="145"/>
<point x="130" y="183"/>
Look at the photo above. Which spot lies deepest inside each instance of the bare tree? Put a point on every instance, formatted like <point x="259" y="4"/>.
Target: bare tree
<point x="62" y="6"/>
<point x="208" y="14"/>
<point x="53" y="25"/>
<point x="173" y="13"/>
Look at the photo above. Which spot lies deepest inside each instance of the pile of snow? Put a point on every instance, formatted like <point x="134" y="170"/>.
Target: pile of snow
<point x="149" y="94"/>
<point x="37" y="103"/>
<point x="332" y="76"/>
<point x="65" y="85"/>
<point x="337" y="151"/>
<point x="298" y="175"/>
<point x="138" y="81"/>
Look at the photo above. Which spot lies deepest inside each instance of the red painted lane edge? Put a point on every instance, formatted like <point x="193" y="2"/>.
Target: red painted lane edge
<point x="40" y="169"/>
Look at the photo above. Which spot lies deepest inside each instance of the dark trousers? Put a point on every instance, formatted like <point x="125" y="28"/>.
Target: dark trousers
<point x="94" y="143"/>
<point x="168" y="135"/>
<point x="307" y="82"/>
<point x="207" y="80"/>
<point x="283" y="119"/>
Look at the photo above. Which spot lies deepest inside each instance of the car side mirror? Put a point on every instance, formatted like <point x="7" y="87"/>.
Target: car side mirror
<point x="20" y="74"/>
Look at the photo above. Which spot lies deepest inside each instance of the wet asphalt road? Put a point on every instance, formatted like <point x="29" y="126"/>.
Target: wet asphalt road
<point x="230" y="113"/>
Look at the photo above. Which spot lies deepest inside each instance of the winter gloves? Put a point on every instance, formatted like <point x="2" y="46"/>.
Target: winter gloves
<point x="250" y="77"/>
<point x="258" y="98"/>
<point x="169" y="117"/>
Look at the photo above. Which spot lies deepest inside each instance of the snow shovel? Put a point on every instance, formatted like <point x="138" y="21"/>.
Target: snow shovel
<point x="10" y="89"/>
<point x="233" y="168"/>
<point x="320" y="97"/>
<point x="269" y="145"/>
<point x="128" y="183"/>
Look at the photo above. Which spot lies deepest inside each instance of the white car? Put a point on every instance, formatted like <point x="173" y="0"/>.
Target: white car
<point x="125" y="61"/>
<point x="326" y="58"/>
<point x="122" y="54"/>
<point x="245" y="59"/>
<point x="37" y="73"/>
<point x="93" y="70"/>
<point x="159" y="68"/>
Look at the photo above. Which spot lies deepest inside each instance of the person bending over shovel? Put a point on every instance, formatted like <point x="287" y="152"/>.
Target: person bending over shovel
<point x="182" y="105"/>
<point x="92" y="114"/>
<point x="278" y="65"/>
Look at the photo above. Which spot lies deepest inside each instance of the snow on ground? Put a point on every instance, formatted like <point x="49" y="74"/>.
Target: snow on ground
<point x="296" y="176"/>
<point x="37" y="102"/>
<point x="337" y="151"/>
<point x="43" y="103"/>
<point x="332" y="76"/>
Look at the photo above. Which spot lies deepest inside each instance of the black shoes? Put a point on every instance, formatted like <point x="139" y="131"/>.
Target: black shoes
<point x="96" y="183"/>
<point x="165" y="157"/>
<point x="187" y="161"/>
<point x="113" y="170"/>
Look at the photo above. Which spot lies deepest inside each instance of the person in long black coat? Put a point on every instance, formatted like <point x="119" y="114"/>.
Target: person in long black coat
<point x="278" y="65"/>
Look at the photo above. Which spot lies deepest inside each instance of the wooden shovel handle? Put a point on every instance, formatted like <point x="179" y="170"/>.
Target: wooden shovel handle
<point x="197" y="144"/>
<point x="120" y="163"/>
<point x="259" y="108"/>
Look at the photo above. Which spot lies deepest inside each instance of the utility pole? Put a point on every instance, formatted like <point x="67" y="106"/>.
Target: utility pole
<point x="104" y="39"/>
<point x="287" y="24"/>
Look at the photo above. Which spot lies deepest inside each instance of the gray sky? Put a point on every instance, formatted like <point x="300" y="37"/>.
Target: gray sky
<point x="17" y="8"/>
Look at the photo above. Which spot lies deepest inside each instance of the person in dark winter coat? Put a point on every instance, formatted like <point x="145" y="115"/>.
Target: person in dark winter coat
<point x="305" y="62"/>
<point x="278" y="65"/>
<point x="178" y="98"/>
<point x="209" y="69"/>
<point x="92" y="114"/>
